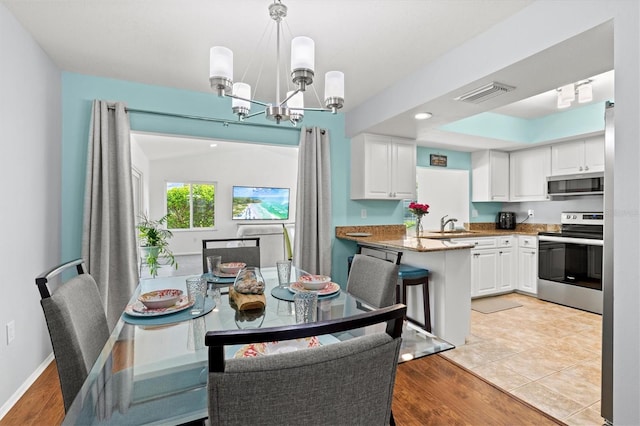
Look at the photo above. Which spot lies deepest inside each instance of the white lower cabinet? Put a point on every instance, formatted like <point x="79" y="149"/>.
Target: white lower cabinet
<point x="493" y="267"/>
<point x="507" y="269"/>
<point x="528" y="264"/>
<point x="484" y="272"/>
<point x="503" y="264"/>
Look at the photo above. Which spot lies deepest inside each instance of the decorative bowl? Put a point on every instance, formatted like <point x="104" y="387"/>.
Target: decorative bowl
<point x="314" y="282"/>
<point x="232" y="267"/>
<point x="160" y="298"/>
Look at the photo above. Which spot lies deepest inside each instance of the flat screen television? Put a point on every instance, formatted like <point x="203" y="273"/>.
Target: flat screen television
<point x="260" y="203"/>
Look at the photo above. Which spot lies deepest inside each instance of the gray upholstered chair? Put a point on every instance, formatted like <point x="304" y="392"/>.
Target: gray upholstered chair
<point x="77" y="324"/>
<point x="349" y="382"/>
<point x="373" y="280"/>
<point x="245" y="250"/>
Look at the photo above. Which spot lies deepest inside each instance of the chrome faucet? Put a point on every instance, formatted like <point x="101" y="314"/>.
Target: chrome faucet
<point x="444" y="223"/>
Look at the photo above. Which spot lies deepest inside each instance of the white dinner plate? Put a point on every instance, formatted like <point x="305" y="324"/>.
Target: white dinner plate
<point x="331" y="288"/>
<point x="137" y="309"/>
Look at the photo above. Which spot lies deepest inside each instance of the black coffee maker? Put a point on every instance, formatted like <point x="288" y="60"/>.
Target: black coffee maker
<point x="506" y="220"/>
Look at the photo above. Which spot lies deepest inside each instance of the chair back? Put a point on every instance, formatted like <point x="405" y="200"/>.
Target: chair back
<point x="373" y="280"/>
<point x="349" y="382"/>
<point x="77" y="325"/>
<point x="245" y="250"/>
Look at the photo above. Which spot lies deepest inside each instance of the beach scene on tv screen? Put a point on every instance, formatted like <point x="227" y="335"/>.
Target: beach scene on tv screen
<point x="259" y="203"/>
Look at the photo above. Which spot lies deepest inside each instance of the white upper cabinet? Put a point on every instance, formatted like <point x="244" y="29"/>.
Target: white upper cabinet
<point x="382" y="168"/>
<point x="529" y="169"/>
<point x="582" y="156"/>
<point x="490" y="176"/>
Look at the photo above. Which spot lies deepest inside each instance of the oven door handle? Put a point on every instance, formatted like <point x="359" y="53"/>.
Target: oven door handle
<point x="570" y="240"/>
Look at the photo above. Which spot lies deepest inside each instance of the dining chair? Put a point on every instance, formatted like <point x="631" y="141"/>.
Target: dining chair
<point x="77" y="324"/>
<point x="349" y="382"/>
<point x="245" y="250"/>
<point x="373" y="279"/>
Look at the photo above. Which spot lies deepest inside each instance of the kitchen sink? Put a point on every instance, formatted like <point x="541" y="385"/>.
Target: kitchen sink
<point x="447" y="234"/>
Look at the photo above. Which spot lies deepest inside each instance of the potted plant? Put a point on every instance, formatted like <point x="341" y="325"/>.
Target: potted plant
<point x="154" y="242"/>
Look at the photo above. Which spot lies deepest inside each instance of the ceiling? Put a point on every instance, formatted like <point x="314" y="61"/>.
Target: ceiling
<point x="375" y="43"/>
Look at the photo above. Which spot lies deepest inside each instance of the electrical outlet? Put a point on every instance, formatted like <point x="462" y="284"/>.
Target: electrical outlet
<point x="530" y="212"/>
<point x="11" y="331"/>
<point x="363" y="213"/>
<point x="474" y="213"/>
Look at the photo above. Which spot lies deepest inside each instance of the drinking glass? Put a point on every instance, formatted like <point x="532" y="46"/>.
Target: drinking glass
<point x="306" y="305"/>
<point x="197" y="291"/>
<point x="284" y="272"/>
<point x="213" y="264"/>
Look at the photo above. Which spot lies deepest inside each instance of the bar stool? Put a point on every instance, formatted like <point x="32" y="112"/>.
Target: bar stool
<point x="411" y="276"/>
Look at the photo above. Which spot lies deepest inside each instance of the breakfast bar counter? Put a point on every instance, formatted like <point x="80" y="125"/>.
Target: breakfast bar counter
<point x="449" y="265"/>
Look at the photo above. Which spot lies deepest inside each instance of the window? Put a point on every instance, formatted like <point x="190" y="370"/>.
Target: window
<point x="190" y="205"/>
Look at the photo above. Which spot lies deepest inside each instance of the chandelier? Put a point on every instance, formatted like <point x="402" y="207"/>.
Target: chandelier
<point x="291" y="107"/>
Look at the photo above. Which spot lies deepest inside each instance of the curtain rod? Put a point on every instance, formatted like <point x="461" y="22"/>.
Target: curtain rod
<point x="224" y="122"/>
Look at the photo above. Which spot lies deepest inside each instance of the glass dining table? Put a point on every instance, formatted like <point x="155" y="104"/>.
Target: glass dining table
<point x="154" y="370"/>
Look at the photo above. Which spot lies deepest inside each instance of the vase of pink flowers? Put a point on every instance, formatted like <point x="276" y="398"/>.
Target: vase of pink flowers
<point x="418" y="210"/>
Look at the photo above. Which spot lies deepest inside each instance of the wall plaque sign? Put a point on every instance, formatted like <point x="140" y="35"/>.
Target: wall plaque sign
<point x="438" y="160"/>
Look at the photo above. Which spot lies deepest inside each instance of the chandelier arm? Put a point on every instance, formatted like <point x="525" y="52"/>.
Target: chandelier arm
<point x="293" y="93"/>
<point x="254" y="114"/>
<point x="253" y="101"/>
<point x="318" y="109"/>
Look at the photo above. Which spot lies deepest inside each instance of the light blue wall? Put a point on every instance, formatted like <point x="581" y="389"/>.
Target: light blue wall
<point x="455" y="159"/>
<point x="78" y="92"/>
<point x="564" y="124"/>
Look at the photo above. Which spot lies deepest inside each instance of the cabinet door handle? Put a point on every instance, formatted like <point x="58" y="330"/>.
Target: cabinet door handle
<point x="586" y="167"/>
<point x="580" y="168"/>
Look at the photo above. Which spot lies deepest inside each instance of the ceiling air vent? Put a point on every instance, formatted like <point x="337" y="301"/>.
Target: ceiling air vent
<point x="485" y="92"/>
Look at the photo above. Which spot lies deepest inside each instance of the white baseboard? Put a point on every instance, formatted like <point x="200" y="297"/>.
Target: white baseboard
<point x="25" y="386"/>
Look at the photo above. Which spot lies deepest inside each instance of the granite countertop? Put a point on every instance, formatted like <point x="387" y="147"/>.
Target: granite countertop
<point x="395" y="236"/>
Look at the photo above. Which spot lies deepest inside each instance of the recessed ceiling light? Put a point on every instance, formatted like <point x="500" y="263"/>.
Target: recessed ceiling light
<point x="423" y="115"/>
<point x="213" y="145"/>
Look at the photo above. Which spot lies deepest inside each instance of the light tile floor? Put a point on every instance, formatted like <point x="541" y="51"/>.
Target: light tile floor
<point x="545" y="354"/>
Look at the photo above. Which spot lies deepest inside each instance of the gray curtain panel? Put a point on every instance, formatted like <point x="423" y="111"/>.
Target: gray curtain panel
<point x="109" y="241"/>
<point x="313" y="208"/>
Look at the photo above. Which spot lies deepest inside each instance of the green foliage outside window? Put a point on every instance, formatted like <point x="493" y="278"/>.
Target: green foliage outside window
<point x="190" y="205"/>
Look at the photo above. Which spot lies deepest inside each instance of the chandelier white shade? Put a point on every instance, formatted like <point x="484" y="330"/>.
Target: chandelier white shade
<point x="240" y="103"/>
<point x="221" y="68"/>
<point x="303" y="51"/>
<point x="291" y="108"/>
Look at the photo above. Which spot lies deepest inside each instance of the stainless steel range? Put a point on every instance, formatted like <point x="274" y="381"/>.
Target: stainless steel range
<point x="570" y="262"/>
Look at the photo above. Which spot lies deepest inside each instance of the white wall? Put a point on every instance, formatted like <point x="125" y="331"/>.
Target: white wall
<point x="247" y="164"/>
<point x="549" y="211"/>
<point x="30" y="172"/>
<point x="447" y="193"/>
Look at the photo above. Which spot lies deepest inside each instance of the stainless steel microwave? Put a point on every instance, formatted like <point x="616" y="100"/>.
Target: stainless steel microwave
<point x="578" y="184"/>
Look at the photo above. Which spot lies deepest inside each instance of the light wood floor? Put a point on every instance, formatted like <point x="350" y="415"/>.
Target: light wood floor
<point x="428" y="391"/>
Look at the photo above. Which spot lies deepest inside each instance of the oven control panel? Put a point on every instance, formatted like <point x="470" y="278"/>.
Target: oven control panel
<point x="582" y="218"/>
